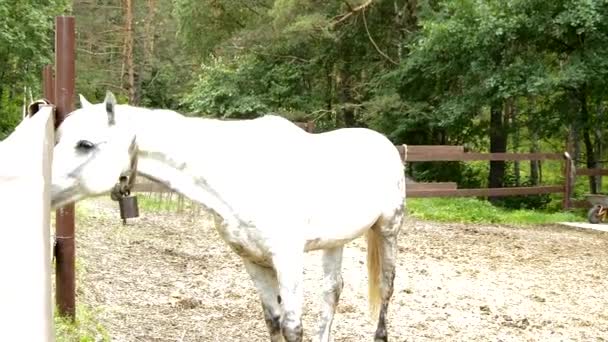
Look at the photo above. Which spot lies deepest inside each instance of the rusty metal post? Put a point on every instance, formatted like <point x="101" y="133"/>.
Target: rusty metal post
<point x="65" y="72"/>
<point x="48" y="83"/>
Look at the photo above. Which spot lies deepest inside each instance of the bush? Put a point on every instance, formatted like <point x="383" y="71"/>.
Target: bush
<point x="522" y="202"/>
<point x="466" y="175"/>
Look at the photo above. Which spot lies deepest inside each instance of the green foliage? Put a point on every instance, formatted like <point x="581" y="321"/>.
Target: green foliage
<point x="249" y="86"/>
<point x="85" y="328"/>
<point x="288" y="58"/>
<point x="10" y="116"/>
<point x="26" y="44"/>
<point x="163" y="68"/>
<point x="227" y="90"/>
<point x="466" y="175"/>
<point x="470" y="210"/>
<point x="523" y="202"/>
<point x="203" y="25"/>
<point x="153" y="203"/>
<point x="421" y="72"/>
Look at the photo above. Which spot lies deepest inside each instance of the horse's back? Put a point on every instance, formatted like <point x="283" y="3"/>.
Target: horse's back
<point x="361" y="152"/>
<point x="270" y="168"/>
<point x="346" y="160"/>
<point x="348" y="179"/>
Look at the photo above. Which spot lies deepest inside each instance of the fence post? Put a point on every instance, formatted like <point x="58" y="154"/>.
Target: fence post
<point x="48" y="83"/>
<point x="568" y="180"/>
<point x="65" y="54"/>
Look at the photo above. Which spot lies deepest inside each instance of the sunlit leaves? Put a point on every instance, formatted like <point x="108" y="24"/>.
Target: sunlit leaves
<point x="26" y="44"/>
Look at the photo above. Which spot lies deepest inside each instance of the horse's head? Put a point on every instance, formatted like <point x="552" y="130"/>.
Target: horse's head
<point x="95" y="148"/>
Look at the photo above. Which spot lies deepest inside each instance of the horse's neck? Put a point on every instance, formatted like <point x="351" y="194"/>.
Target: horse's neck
<point x="168" y="144"/>
<point x="221" y="164"/>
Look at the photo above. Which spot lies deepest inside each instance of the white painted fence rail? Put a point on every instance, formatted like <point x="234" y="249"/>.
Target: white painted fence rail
<point x="25" y="260"/>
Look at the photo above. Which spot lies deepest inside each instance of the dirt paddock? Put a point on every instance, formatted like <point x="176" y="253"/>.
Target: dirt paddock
<point x="168" y="277"/>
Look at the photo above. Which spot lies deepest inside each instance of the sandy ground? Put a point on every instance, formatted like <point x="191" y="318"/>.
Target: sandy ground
<point x="168" y="277"/>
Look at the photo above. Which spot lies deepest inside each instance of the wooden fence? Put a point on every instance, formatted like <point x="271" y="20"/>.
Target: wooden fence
<point x="576" y="172"/>
<point x="25" y="258"/>
<point x="424" y="153"/>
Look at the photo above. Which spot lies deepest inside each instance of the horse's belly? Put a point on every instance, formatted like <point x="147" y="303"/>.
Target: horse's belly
<point x="337" y="230"/>
<point x="247" y="242"/>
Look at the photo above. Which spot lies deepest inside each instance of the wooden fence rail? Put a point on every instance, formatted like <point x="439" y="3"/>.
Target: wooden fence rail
<point x="25" y="290"/>
<point x="592" y="172"/>
<point x="486" y="192"/>
<point x="423" y="153"/>
<point x="584" y="203"/>
<point x="471" y="156"/>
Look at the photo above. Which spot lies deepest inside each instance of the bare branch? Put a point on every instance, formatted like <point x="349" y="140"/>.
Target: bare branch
<point x="342" y="17"/>
<point x="374" y="43"/>
<point x="350" y="8"/>
<point x="293" y="58"/>
<point x="260" y="53"/>
<point x="250" y="8"/>
<point x="109" y="85"/>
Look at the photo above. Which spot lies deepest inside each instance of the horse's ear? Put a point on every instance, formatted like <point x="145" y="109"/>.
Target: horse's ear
<point x="110" y="102"/>
<point x="84" y="102"/>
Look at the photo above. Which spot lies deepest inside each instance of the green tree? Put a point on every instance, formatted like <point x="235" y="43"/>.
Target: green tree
<point x="474" y="60"/>
<point x="26" y="45"/>
<point x="295" y="57"/>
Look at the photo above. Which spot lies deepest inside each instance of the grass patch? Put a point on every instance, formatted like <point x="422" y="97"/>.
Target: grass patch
<point x="153" y="202"/>
<point x="471" y="210"/>
<point x="172" y="202"/>
<point x="85" y="328"/>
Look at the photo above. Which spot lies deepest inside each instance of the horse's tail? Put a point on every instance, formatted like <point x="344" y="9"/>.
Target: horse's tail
<point x="375" y="251"/>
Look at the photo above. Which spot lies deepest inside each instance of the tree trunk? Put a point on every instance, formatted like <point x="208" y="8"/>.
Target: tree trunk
<point x="534" y="164"/>
<point x="348" y="113"/>
<point x="329" y="94"/>
<point x="498" y="144"/>
<point x="144" y="70"/>
<point x="589" y="150"/>
<point x="149" y="32"/>
<point x="2" y="83"/>
<point x="590" y="159"/>
<point x="512" y="117"/>
<point x="599" y="143"/>
<point x="577" y="142"/>
<point x="346" y="117"/>
<point x="598" y="156"/>
<point x="406" y="22"/>
<point x="128" y="50"/>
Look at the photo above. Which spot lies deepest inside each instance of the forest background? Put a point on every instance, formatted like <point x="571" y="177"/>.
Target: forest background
<point x="492" y="75"/>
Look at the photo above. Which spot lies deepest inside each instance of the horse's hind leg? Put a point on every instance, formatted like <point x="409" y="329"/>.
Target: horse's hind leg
<point x="332" y="287"/>
<point x="387" y="285"/>
<point x="383" y="239"/>
<point x="265" y="280"/>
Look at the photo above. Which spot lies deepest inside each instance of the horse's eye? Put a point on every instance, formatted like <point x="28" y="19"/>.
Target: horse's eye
<point x="84" y="145"/>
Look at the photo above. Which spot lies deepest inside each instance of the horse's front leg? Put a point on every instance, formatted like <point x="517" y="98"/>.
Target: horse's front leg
<point x="289" y="264"/>
<point x="265" y="280"/>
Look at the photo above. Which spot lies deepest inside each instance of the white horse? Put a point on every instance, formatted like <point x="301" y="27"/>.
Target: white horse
<point x="275" y="190"/>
